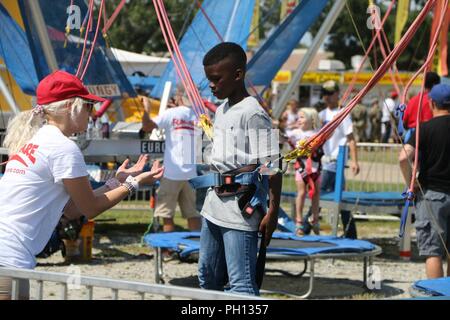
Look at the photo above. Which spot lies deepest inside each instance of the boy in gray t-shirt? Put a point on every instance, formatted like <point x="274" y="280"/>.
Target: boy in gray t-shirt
<point x="242" y="136"/>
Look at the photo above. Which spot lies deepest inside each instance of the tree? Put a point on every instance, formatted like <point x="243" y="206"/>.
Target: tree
<point x="344" y="42"/>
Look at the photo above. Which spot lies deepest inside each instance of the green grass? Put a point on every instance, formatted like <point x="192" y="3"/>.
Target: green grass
<point x="138" y="221"/>
<point x="353" y="185"/>
<point x="388" y="157"/>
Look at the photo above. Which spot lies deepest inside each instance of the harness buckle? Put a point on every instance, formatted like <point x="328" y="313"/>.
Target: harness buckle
<point x="248" y="209"/>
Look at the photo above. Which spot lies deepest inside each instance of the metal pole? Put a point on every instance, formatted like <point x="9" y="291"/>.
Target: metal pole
<point x="308" y="58"/>
<point x="41" y="29"/>
<point x="7" y="95"/>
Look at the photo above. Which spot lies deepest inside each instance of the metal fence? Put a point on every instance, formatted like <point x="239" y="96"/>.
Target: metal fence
<point x="68" y="281"/>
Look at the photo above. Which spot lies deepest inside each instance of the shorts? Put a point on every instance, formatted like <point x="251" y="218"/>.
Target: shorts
<point x="300" y="176"/>
<point x="172" y="192"/>
<point x="429" y="237"/>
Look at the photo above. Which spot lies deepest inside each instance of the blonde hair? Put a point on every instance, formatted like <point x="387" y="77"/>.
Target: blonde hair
<point x="24" y="125"/>
<point x="312" y="116"/>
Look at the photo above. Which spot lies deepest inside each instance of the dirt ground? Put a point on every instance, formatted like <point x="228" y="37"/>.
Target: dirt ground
<point x="119" y="255"/>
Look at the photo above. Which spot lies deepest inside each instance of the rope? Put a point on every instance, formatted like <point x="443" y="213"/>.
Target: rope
<point x="181" y="69"/>
<point x="89" y="21"/>
<point x="176" y="57"/>
<point x="367" y="52"/>
<point x="221" y="39"/>
<point x="306" y="147"/>
<point x="113" y="17"/>
<point x="91" y="51"/>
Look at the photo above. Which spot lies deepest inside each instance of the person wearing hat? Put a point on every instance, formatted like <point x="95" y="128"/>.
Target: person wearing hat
<point x="341" y="136"/>
<point x="410" y="115"/>
<point x="433" y="204"/>
<point x="46" y="175"/>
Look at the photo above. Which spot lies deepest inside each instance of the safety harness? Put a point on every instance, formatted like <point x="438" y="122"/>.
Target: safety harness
<point x="305" y="168"/>
<point x="247" y="183"/>
<point x="251" y="187"/>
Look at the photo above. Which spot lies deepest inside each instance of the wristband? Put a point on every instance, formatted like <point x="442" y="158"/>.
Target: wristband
<point x="133" y="182"/>
<point x="129" y="187"/>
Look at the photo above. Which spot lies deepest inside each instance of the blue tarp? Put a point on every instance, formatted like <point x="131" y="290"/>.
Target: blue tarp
<point x="232" y="19"/>
<point x="269" y="59"/>
<point x="181" y="242"/>
<point x="435" y="287"/>
<point x="15" y="52"/>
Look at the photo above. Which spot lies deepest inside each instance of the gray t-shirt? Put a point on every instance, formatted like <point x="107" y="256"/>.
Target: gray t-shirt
<point x="243" y="135"/>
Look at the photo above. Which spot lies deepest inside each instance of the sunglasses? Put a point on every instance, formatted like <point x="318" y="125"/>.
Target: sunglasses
<point x="89" y="106"/>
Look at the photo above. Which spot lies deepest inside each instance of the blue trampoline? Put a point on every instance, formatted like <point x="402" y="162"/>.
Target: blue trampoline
<point x="283" y="246"/>
<point x="431" y="288"/>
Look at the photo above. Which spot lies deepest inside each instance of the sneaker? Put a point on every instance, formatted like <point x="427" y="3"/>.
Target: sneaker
<point x="168" y="255"/>
<point x="315" y="226"/>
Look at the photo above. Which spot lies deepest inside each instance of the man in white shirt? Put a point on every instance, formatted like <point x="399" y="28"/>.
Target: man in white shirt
<point x="341" y="136"/>
<point x="181" y="131"/>
<point x="389" y="105"/>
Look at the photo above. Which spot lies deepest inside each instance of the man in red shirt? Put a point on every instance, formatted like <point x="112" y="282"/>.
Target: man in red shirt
<point x="410" y="116"/>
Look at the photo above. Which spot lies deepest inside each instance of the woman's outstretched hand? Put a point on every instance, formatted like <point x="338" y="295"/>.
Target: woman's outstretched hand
<point x="150" y="177"/>
<point x="123" y="172"/>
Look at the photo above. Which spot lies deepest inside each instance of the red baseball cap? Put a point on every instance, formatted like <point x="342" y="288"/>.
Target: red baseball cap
<point x="394" y="94"/>
<point x="61" y="85"/>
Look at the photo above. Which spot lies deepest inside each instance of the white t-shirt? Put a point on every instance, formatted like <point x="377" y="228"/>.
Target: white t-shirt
<point x="338" y="138"/>
<point x="292" y="118"/>
<point x="242" y="136"/>
<point x="388" y="108"/>
<point x="299" y="134"/>
<point x="32" y="194"/>
<point x="182" y="135"/>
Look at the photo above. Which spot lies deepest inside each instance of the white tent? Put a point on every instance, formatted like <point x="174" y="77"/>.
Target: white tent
<point x="134" y="62"/>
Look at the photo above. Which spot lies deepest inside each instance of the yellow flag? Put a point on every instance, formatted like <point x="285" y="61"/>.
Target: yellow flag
<point x="286" y="7"/>
<point x="253" y="40"/>
<point x="402" y="18"/>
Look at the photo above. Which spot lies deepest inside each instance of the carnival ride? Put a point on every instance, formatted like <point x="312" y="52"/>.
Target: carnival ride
<point x="47" y="46"/>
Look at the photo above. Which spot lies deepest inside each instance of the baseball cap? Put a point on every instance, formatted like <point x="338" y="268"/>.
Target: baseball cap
<point x="440" y="94"/>
<point x="393" y="94"/>
<point x="329" y="87"/>
<point x="61" y="85"/>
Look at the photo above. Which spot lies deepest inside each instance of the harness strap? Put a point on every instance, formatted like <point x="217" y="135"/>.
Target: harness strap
<point x="261" y="182"/>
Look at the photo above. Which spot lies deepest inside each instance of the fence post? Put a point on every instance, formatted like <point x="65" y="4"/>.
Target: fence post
<point x="405" y="241"/>
<point x="338" y="187"/>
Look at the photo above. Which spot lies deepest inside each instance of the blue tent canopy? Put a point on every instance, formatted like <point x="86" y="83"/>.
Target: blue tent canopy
<point x="231" y="18"/>
<point x="271" y="56"/>
<point x="104" y="73"/>
<point x="15" y="52"/>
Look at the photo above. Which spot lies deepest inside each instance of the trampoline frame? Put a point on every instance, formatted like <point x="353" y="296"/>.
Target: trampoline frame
<point x="366" y="255"/>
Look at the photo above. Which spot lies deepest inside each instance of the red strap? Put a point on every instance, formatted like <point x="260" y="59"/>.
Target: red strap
<point x="309" y="178"/>
<point x="326" y="131"/>
<point x="113" y="17"/>
<point x="102" y="3"/>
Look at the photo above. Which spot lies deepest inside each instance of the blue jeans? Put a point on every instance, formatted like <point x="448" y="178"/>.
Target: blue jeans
<point x="327" y="184"/>
<point x="227" y="252"/>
